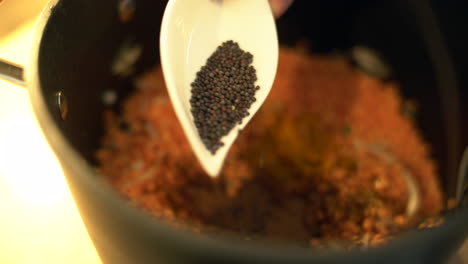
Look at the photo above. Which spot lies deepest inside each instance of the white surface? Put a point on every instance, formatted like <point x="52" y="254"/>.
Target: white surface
<point x="191" y="30"/>
<point x="39" y="222"/>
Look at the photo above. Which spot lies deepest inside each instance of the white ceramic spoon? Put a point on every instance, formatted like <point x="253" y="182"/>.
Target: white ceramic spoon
<point x="191" y="31"/>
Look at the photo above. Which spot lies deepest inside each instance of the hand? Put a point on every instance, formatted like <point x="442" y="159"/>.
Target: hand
<point x="279" y="6"/>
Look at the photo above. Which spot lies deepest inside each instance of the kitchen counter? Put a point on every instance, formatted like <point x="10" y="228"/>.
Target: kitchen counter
<point x="39" y="221"/>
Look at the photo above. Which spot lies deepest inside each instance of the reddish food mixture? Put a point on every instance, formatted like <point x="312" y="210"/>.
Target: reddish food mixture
<point x="330" y="156"/>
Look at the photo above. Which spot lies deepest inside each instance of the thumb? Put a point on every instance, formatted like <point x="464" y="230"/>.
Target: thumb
<point x="279" y="6"/>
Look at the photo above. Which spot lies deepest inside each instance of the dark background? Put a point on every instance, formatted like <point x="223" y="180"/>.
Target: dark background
<point x="453" y="19"/>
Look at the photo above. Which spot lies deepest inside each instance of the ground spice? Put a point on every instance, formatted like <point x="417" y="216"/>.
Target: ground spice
<point x="324" y="161"/>
<point x="222" y="93"/>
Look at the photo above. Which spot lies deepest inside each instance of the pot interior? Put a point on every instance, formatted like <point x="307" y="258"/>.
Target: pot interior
<point x="85" y="49"/>
<point x="77" y="59"/>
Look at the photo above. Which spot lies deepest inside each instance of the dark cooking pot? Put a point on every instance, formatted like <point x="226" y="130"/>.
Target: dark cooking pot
<point x="77" y="42"/>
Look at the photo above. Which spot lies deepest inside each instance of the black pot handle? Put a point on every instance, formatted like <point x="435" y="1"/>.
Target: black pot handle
<point x="12" y="73"/>
<point x="462" y="184"/>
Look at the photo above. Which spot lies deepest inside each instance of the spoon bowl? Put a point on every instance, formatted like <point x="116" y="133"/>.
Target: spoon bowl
<point x="191" y="30"/>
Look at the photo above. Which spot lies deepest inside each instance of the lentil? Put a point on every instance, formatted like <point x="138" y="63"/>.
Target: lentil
<point x="222" y="92"/>
<point x="319" y="189"/>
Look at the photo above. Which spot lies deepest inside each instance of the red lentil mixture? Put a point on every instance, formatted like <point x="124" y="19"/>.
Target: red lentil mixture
<point x="331" y="156"/>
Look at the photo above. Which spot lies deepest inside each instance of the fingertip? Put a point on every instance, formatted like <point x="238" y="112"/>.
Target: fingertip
<point x="278" y="7"/>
